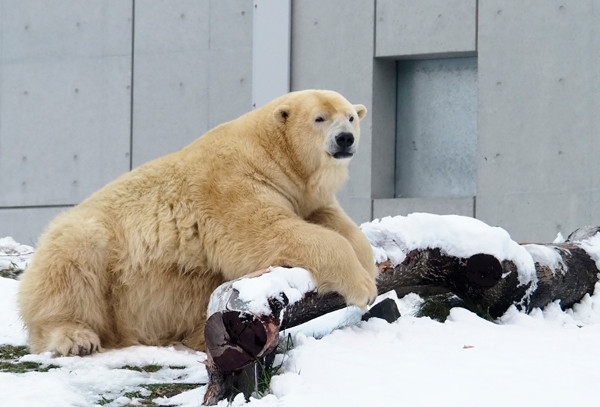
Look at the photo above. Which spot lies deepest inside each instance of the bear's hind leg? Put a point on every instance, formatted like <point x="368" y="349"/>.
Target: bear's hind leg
<point x="63" y="293"/>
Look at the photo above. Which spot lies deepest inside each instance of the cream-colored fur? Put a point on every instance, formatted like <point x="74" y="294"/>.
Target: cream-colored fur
<point x="137" y="261"/>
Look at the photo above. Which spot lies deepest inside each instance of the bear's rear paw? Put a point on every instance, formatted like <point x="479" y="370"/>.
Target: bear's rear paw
<point x="73" y="340"/>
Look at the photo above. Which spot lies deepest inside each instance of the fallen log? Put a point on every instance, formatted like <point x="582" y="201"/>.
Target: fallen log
<point x="241" y="330"/>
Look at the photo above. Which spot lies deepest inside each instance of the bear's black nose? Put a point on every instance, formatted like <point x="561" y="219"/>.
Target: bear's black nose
<point x="344" y="139"/>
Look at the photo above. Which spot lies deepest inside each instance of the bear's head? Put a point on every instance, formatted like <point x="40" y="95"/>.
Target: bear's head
<point x="319" y="127"/>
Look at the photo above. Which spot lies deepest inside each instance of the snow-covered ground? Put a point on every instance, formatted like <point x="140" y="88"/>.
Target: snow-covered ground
<point x="547" y="358"/>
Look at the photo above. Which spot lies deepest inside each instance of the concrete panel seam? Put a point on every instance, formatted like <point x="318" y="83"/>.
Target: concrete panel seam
<point x="49" y="206"/>
<point x="131" y="84"/>
<point x="476" y="25"/>
<point x="396" y="133"/>
<point x="374" y="50"/>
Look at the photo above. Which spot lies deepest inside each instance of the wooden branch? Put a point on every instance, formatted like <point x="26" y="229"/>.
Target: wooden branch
<point x="237" y="336"/>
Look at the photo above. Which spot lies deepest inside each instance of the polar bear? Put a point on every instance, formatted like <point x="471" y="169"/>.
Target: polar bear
<point x="136" y="262"/>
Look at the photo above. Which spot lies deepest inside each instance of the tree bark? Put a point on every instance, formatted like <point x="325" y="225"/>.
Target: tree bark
<point x="237" y="337"/>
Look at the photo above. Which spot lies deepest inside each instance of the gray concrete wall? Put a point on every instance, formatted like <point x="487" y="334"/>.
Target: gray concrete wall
<point x="416" y="29"/>
<point x="89" y="90"/>
<point x="64" y="106"/>
<point x="192" y="71"/>
<point x="539" y="127"/>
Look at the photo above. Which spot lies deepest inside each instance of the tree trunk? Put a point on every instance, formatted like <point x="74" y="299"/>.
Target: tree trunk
<point x="236" y="336"/>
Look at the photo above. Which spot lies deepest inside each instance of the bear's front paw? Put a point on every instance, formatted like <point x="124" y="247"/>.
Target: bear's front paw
<point x="357" y="289"/>
<point x="361" y="291"/>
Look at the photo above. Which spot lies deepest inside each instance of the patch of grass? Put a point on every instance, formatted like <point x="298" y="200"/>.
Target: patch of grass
<point x="159" y="390"/>
<point x="9" y="361"/>
<point x="170" y="389"/>
<point x="24" y="367"/>
<point x="148" y="392"/>
<point x="10" y="352"/>
<point x="12" y="271"/>
<point x="438" y="307"/>
<point x="103" y="401"/>
<point x="48" y="367"/>
<point x="8" y="274"/>
<point x="269" y="370"/>
<point x="147" y="368"/>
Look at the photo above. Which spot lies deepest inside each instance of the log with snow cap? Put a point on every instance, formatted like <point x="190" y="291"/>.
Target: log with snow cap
<point x="419" y="253"/>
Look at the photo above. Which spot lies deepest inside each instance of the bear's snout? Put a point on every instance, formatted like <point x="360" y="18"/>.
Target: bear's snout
<point x="344" y="139"/>
<point x="342" y="145"/>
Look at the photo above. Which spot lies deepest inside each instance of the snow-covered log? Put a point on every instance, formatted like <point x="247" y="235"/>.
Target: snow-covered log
<point x="425" y="254"/>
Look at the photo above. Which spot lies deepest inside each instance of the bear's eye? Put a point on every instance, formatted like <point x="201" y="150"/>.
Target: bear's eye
<point x="319" y="119"/>
<point x="351" y="118"/>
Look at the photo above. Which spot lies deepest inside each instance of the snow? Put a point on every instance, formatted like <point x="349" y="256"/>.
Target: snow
<point x="592" y="247"/>
<point x="559" y="238"/>
<point x="14" y="255"/>
<point x="80" y="380"/>
<point x="549" y="357"/>
<point x="540" y="360"/>
<point x="547" y="256"/>
<point x="11" y="328"/>
<point x="293" y="282"/>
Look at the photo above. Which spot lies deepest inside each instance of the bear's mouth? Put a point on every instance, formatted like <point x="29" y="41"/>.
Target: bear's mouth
<point x="342" y="154"/>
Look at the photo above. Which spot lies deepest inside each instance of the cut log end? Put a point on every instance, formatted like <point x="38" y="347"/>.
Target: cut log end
<point x="483" y="270"/>
<point x="235" y="339"/>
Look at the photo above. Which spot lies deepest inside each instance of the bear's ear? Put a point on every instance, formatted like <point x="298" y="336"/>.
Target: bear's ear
<point x="361" y="111"/>
<point x="281" y="114"/>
